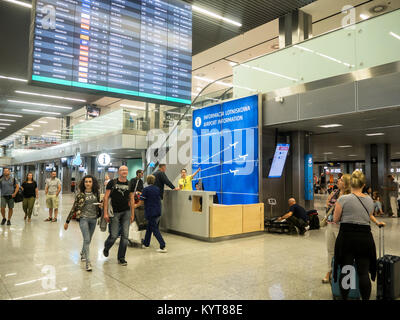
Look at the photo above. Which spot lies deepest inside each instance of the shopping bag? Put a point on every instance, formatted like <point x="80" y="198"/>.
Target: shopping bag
<point x="135" y="236"/>
<point x="36" y="208"/>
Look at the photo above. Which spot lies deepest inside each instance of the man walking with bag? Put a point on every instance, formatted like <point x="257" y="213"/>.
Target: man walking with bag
<point x="122" y="214"/>
<point x="9" y="188"/>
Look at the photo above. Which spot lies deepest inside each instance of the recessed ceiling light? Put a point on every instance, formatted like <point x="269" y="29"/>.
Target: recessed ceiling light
<point x="39" y="104"/>
<point x="51" y="118"/>
<point x="38" y="111"/>
<point x="36" y="125"/>
<point x="364" y="16"/>
<point x="345" y="146"/>
<point x="214" y="15"/>
<point x="30" y="129"/>
<point x="42" y="121"/>
<point x="374" y="134"/>
<point x="5" y="124"/>
<point x="378" y="8"/>
<point x="10" y="115"/>
<point x="48" y="96"/>
<point x="330" y="125"/>
<point x="232" y="64"/>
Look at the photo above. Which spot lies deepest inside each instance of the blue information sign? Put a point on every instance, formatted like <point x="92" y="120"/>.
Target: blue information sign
<point x="225" y="146"/>
<point x="308" y="177"/>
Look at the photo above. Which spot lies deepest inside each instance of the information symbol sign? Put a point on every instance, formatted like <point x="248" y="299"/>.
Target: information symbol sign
<point x="104" y="159"/>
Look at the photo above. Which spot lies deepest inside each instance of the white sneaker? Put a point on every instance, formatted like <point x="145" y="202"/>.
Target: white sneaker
<point x="307" y="228"/>
<point x="88" y="266"/>
<point x="162" y="250"/>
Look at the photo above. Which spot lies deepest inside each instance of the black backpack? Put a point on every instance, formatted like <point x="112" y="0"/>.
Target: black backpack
<point x="313" y="219"/>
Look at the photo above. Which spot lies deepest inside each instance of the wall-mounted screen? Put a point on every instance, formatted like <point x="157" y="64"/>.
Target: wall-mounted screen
<point x="278" y="163"/>
<point x="139" y="48"/>
<point x="92" y="111"/>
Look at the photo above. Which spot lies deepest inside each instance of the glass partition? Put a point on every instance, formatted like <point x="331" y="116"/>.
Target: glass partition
<point x="370" y="43"/>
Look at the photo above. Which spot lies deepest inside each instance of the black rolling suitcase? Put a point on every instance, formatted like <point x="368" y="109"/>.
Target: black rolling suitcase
<point x="273" y="226"/>
<point x="388" y="273"/>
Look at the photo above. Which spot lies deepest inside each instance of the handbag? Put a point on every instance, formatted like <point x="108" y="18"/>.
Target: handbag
<point x="19" y="196"/>
<point x="324" y="221"/>
<point x="102" y="222"/>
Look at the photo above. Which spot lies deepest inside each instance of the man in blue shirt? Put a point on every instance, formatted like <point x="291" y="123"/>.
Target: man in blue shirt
<point x="9" y="188"/>
<point x="151" y="198"/>
<point x="296" y="217"/>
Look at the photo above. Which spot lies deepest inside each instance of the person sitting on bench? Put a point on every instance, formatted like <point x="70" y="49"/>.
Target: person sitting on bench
<point x="296" y="217"/>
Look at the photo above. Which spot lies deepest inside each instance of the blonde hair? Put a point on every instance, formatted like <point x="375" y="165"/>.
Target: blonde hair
<point x="346" y="178"/>
<point x="358" y="180"/>
<point x="151" y="179"/>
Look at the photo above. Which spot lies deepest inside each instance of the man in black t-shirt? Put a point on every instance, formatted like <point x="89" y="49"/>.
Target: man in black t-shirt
<point x="121" y="215"/>
<point x="296" y="217"/>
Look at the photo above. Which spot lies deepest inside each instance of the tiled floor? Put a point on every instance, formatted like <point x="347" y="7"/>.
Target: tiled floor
<point x="39" y="260"/>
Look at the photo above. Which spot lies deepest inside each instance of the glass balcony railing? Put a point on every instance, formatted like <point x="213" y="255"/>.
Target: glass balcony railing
<point x="117" y="121"/>
<point x="367" y="44"/>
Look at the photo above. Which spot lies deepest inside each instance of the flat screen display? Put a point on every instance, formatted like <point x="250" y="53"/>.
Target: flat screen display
<point x="93" y="111"/>
<point x="278" y="163"/>
<point x="139" y="48"/>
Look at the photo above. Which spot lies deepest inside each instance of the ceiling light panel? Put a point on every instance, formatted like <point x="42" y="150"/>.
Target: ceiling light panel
<point x="39" y="104"/>
<point x="335" y="125"/>
<point x="8" y="120"/>
<point x="48" y="96"/>
<point x="13" y="79"/>
<point x="214" y="15"/>
<point x="38" y="111"/>
<point x="10" y="115"/>
<point x="20" y="3"/>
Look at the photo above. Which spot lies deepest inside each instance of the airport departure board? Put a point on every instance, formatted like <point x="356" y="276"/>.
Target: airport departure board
<point x="139" y="48"/>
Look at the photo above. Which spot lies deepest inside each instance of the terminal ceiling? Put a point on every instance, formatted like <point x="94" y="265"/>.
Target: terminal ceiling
<point x="207" y="32"/>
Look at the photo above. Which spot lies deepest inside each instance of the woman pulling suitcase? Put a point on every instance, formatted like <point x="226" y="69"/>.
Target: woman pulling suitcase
<point x="87" y="208"/>
<point x="355" y="244"/>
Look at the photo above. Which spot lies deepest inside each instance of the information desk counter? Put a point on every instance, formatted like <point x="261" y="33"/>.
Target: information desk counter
<point x="193" y="214"/>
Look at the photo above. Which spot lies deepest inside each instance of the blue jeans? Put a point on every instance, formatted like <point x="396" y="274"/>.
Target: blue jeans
<point x="120" y="222"/>
<point x="87" y="227"/>
<point x="152" y="227"/>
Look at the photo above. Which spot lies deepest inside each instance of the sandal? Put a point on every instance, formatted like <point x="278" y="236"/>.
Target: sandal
<point x="48" y="219"/>
<point x="54" y="220"/>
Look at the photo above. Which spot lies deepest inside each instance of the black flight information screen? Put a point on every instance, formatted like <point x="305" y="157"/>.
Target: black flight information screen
<point x="139" y="48"/>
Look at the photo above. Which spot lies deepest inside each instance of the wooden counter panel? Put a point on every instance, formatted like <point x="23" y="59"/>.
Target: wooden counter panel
<point x="253" y="217"/>
<point x="225" y="220"/>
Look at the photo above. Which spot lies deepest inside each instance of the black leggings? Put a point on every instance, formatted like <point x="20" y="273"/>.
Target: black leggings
<point x="362" y="265"/>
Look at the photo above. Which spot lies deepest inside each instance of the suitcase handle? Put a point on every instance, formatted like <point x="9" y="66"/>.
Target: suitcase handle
<point x="381" y="241"/>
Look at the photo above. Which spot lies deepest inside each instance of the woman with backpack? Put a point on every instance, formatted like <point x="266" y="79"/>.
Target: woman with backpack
<point x="355" y="244"/>
<point x="87" y="209"/>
